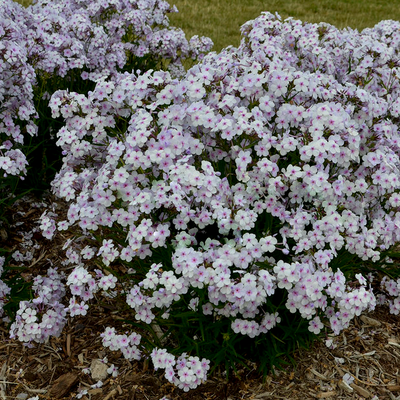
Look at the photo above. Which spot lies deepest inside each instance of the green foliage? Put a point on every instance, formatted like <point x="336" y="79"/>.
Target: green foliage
<point x="21" y="290"/>
<point x="184" y="329"/>
<point x="192" y="332"/>
<point x="351" y="264"/>
<point x="8" y="196"/>
<point x="43" y="155"/>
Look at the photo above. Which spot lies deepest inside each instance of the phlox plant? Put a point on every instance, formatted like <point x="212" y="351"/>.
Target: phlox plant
<point x="107" y="36"/>
<point x="17" y="113"/>
<point x="17" y="109"/>
<point x="230" y="195"/>
<point x="69" y="45"/>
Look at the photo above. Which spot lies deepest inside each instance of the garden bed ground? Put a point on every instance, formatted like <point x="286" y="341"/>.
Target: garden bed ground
<point x="369" y="351"/>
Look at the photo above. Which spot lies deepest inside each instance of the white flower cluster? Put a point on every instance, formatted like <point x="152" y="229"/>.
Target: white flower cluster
<point x="17" y="78"/>
<point x="186" y="372"/>
<point x="128" y="345"/>
<point x="45" y="315"/>
<point x="62" y="36"/>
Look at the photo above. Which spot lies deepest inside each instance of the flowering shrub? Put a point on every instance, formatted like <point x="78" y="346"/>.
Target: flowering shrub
<point x="17" y="77"/>
<point x="70" y="44"/>
<point x="368" y="59"/>
<point x="102" y="37"/>
<point x="13" y="288"/>
<point x="72" y="41"/>
<point x="234" y="188"/>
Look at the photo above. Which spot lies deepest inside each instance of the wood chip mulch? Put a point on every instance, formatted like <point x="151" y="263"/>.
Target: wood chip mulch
<point x="363" y="362"/>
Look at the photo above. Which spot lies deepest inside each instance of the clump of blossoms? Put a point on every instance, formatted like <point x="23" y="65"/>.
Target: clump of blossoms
<point x="100" y="37"/>
<point x="245" y="178"/>
<point x="392" y="289"/>
<point x="368" y="59"/>
<point x="186" y="372"/>
<point x="128" y="345"/>
<point x="17" y="77"/>
<point x="88" y="39"/>
<point x="45" y="315"/>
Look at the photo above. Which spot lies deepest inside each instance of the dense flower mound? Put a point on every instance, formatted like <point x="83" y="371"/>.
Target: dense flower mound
<point x="95" y="38"/>
<point x="246" y="177"/>
<point x="369" y="59"/>
<point x="17" y="77"/>
<point x="102" y="35"/>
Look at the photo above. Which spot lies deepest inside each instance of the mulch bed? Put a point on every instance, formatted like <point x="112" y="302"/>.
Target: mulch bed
<point x="368" y="352"/>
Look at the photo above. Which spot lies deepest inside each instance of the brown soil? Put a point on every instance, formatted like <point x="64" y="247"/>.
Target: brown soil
<point x="369" y="351"/>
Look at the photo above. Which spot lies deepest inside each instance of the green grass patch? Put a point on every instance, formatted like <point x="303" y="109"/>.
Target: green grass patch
<point x="221" y="19"/>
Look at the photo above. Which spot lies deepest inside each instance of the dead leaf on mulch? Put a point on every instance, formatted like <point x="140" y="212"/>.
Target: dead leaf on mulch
<point x="63" y="385"/>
